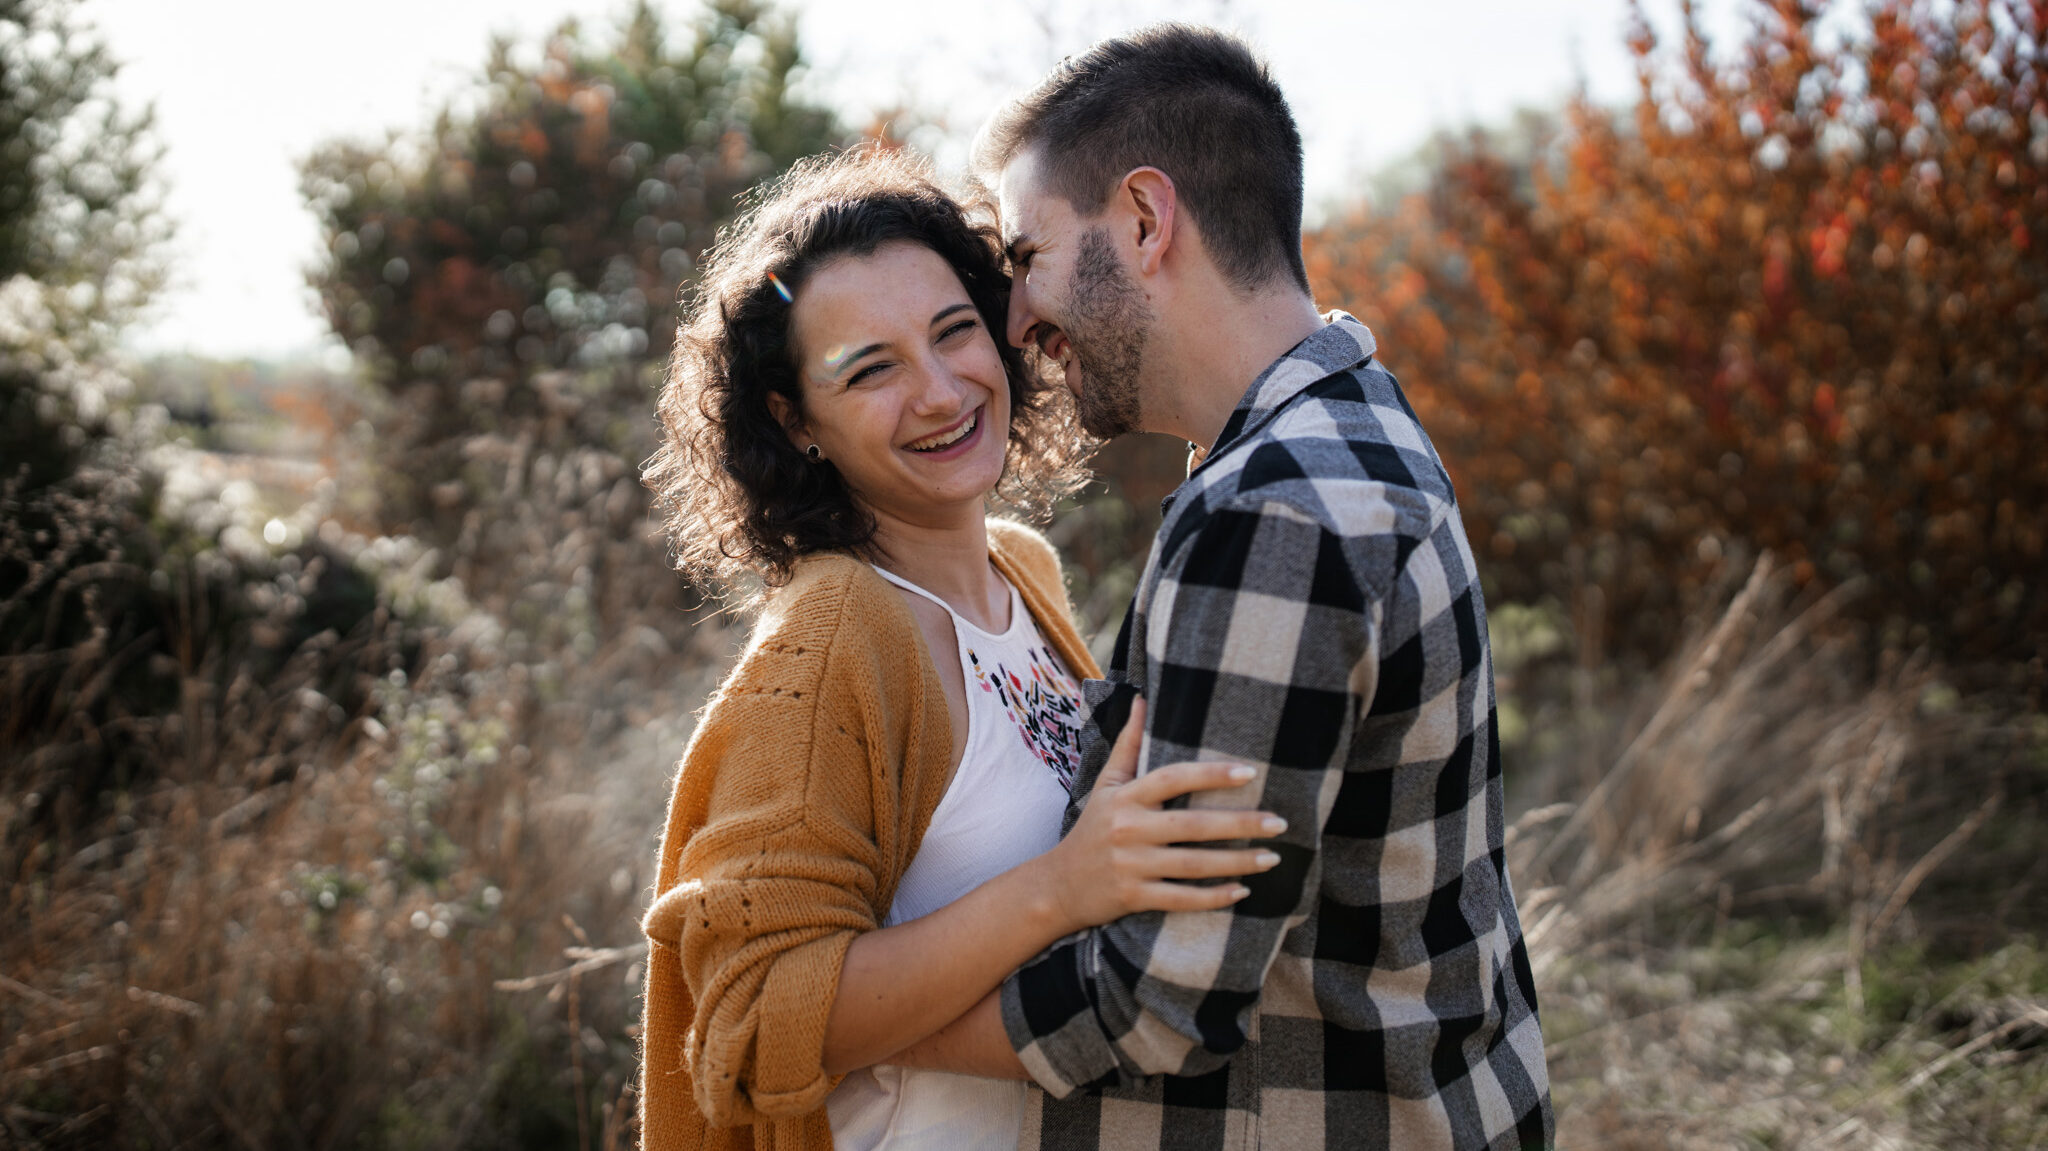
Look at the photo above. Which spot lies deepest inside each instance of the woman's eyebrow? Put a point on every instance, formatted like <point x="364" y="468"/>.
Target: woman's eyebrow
<point x="840" y="358"/>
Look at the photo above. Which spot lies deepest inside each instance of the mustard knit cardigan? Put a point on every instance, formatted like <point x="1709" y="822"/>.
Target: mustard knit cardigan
<point x="801" y="799"/>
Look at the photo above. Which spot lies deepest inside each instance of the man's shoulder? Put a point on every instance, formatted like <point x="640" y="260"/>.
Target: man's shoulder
<point x="1347" y="453"/>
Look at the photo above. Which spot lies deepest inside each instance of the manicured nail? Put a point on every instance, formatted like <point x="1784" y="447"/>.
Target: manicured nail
<point x="1243" y="772"/>
<point x="1237" y="893"/>
<point x="1273" y="825"/>
<point x="1266" y="858"/>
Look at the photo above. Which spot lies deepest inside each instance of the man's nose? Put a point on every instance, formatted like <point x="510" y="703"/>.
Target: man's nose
<point x="1021" y="321"/>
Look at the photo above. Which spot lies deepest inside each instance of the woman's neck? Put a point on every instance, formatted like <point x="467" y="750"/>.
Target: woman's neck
<point x="948" y="559"/>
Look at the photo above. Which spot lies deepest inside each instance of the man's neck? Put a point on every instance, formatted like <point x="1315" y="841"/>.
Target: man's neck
<point x="1216" y="344"/>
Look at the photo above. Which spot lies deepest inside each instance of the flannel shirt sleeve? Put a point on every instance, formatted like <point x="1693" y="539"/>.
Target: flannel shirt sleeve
<point x="1262" y="647"/>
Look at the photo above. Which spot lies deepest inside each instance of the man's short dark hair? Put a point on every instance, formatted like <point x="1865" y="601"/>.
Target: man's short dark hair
<point x="1194" y="103"/>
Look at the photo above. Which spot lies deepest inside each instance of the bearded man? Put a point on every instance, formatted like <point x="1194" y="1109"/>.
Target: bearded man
<point x="1310" y="607"/>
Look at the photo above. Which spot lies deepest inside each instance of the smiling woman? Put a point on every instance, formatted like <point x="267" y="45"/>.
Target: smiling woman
<point x="908" y="380"/>
<point x="740" y="494"/>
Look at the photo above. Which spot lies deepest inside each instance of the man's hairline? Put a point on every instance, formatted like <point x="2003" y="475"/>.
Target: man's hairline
<point x="1279" y="276"/>
<point x="998" y="169"/>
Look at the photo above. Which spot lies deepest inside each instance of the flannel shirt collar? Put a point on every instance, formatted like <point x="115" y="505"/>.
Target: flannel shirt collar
<point x="1342" y="343"/>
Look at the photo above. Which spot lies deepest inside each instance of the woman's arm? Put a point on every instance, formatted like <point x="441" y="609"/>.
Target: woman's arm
<point x="900" y="984"/>
<point x="974" y="1044"/>
<point x="772" y="863"/>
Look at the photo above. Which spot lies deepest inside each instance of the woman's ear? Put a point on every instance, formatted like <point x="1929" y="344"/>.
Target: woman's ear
<point x="792" y="424"/>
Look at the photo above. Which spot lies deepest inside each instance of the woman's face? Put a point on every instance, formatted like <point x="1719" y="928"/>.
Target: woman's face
<point x="904" y="391"/>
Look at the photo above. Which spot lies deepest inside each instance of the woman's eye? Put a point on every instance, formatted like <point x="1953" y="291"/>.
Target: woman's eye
<point x="956" y="329"/>
<point x="865" y="373"/>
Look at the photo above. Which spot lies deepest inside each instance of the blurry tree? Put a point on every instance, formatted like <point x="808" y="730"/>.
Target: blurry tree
<point x="110" y="608"/>
<point x="80" y="234"/>
<point x="545" y="224"/>
<point x="1798" y="301"/>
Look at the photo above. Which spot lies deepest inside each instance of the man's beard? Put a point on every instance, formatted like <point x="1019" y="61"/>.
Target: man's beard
<point x="1107" y="322"/>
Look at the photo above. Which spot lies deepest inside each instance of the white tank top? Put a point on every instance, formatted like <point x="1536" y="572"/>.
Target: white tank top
<point x="1003" y="807"/>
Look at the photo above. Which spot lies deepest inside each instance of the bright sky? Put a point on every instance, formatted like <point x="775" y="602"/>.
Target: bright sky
<point x="244" y="88"/>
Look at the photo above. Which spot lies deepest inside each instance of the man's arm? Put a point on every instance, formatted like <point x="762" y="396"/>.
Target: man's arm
<point x="1262" y="648"/>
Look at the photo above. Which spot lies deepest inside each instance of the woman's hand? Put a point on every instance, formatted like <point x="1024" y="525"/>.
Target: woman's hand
<point x="899" y="985"/>
<point x="1121" y="857"/>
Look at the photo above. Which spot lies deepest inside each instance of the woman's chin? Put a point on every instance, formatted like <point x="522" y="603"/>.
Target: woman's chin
<point x="962" y="490"/>
<point x="935" y="493"/>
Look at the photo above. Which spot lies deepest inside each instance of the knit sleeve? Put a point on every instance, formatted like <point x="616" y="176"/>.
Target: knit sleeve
<point x="777" y="874"/>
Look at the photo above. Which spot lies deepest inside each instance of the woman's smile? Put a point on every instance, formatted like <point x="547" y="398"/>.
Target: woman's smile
<point x="955" y="440"/>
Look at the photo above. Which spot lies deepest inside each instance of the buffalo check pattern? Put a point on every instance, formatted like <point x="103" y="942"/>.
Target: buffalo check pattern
<point x="1310" y="607"/>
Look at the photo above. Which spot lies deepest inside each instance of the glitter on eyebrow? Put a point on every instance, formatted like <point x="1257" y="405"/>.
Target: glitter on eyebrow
<point x="780" y="288"/>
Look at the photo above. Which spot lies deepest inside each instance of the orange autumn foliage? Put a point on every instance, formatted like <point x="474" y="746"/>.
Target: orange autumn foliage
<point x="1796" y="300"/>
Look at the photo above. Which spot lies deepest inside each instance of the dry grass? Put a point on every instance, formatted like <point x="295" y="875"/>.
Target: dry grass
<point x="378" y="886"/>
<point x="280" y="922"/>
<point x="1724" y="926"/>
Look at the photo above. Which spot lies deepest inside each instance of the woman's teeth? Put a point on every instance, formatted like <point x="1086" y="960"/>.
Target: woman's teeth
<point x="947" y="439"/>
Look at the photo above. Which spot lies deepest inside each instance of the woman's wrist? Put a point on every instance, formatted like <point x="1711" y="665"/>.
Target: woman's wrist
<point x="1040" y="899"/>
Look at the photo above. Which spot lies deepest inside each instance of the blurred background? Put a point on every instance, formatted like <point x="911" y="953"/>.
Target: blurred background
<point x="343" y="673"/>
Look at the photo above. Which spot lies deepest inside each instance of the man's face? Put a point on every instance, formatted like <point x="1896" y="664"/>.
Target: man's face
<point x="1073" y="299"/>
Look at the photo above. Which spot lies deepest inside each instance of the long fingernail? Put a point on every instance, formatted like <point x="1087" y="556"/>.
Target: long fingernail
<point x="1266" y="858"/>
<point x="1242" y="773"/>
<point x="1273" y="825"/>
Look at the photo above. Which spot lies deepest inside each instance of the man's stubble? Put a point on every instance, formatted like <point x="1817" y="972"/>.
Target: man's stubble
<point x="1108" y="322"/>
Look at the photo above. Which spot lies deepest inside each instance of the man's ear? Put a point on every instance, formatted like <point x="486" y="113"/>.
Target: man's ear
<point x="792" y="424"/>
<point x="1150" y="201"/>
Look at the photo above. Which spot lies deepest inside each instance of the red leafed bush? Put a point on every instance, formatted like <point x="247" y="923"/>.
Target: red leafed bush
<point x="1798" y="301"/>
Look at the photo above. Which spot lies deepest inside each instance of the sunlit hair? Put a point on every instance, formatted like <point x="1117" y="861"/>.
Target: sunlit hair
<point x="737" y="497"/>
<point x="1194" y="103"/>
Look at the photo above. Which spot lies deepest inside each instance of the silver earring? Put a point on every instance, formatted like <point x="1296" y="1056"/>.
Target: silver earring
<point x="814" y="453"/>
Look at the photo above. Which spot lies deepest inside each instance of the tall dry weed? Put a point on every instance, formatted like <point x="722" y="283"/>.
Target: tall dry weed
<point x="1761" y="764"/>
<point x="1707" y="910"/>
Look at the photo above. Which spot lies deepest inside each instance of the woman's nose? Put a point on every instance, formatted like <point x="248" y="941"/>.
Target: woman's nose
<point x="943" y="392"/>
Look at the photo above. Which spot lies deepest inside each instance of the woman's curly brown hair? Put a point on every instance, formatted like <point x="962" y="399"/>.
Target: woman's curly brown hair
<point x="737" y="498"/>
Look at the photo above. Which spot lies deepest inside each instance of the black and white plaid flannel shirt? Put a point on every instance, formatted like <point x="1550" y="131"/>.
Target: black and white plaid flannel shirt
<point x="1311" y="607"/>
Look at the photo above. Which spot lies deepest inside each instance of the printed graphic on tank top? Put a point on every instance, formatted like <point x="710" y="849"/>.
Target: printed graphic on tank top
<point x="1042" y="702"/>
<point x="1002" y="808"/>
